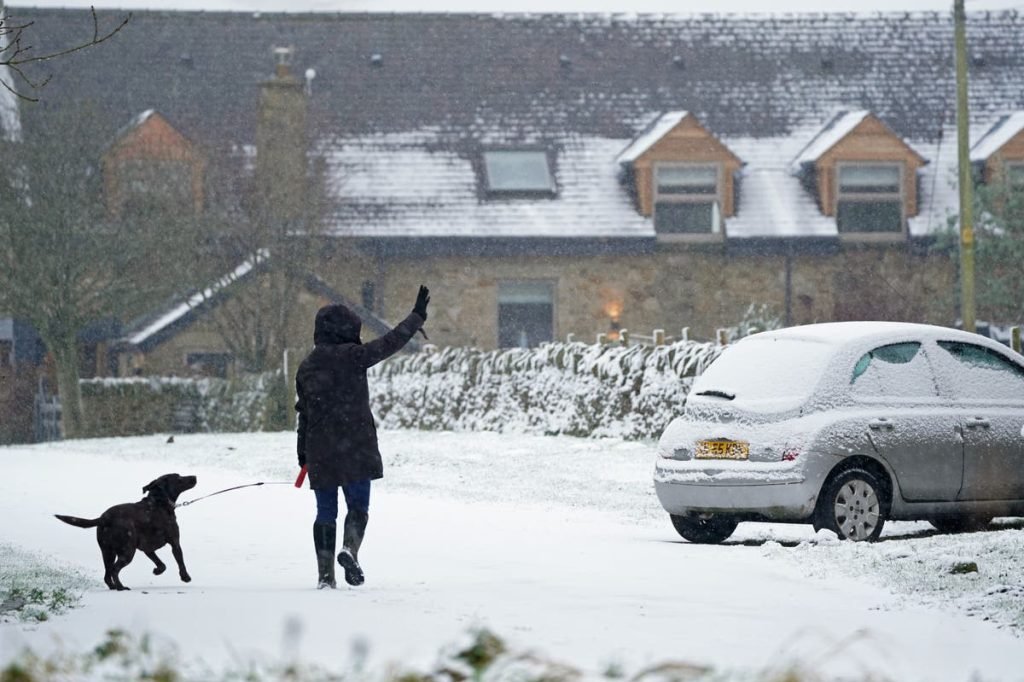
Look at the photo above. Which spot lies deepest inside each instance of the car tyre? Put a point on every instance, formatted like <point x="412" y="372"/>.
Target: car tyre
<point x="960" y="523"/>
<point x="704" y="529"/>
<point x="853" y="506"/>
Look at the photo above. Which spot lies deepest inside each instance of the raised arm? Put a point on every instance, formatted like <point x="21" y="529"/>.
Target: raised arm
<point x="369" y="354"/>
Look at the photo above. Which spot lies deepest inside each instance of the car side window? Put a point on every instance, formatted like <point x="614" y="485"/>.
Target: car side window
<point x="897" y="370"/>
<point x="982" y="373"/>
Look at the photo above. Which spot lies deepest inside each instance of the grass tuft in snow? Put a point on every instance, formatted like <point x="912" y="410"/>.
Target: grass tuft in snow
<point x="483" y="657"/>
<point x="34" y="588"/>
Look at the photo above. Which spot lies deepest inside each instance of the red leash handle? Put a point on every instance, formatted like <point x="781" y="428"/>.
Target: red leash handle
<point x="301" y="478"/>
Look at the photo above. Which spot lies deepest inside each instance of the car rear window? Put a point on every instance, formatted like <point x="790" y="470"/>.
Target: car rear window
<point x="766" y="370"/>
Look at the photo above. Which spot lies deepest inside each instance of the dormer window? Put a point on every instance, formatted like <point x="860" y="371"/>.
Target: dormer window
<point x="869" y="198"/>
<point x="683" y="176"/>
<point x="862" y="174"/>
<point x="686" y="198"/>
<point x="518" y="171"/>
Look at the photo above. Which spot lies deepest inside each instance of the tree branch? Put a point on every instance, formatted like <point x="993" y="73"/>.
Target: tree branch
<point x="14" y="55"/>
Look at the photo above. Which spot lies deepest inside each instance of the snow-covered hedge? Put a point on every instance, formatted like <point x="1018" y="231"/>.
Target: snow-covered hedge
<point x="137" y="406"/>
<point x="559" y="388"/>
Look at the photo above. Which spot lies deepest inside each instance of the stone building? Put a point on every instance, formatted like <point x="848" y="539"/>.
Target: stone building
<point x="552" y="174"/>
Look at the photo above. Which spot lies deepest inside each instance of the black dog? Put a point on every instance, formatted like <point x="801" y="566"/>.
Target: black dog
<point x="148" y="524"/>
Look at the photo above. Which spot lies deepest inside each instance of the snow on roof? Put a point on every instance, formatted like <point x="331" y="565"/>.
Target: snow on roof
<point x="842" y="333"/>
<point x="656" y="130"/>
<point x="411" y="185"/>
<point x="400" y="185"/>
<point x="182" y="309"/>
<point x="835" y="130"/>
<point x="1004" y="130"/>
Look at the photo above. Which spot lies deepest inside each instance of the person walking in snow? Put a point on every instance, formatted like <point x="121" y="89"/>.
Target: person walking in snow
<point x="337" y="438"/>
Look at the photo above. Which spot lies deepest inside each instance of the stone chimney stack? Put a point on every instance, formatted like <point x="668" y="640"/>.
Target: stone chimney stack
<point x="281" y="147"/>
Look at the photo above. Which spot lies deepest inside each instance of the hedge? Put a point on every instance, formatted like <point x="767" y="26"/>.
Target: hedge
<point x="559" y="388"/>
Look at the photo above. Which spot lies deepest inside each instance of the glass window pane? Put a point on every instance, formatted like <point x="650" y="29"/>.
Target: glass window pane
<point x="896" y="354"/>
<point x="872" y="179"/>
<point x="984" y="374"/>
<point x="895" y="371"/>
<point x="687" y="179"/>
<point x="525" y="292"/>
<point x="869" y="216"/>
<point x="518" y="171"/>
<point x="525" y="314"/>
<point x="685" y="218"/>
<point x="1016" y="174"/>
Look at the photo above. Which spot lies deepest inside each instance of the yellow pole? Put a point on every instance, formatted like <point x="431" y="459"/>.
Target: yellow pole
<point x="967" y="312"/>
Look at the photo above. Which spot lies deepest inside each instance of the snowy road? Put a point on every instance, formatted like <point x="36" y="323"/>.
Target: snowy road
<point x="556" y="544"/>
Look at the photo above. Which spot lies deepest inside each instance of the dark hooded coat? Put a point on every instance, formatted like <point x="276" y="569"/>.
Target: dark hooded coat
<point x="337" y="438"/>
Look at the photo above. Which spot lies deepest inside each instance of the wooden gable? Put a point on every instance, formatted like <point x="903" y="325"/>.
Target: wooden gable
<point x="687" y="142"/>
<point x="1010" y="153"/>
<point x="150" y="138"/>
<point x="870" y="141"/>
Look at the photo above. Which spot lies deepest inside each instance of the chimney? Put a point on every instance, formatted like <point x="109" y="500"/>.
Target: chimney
<point x="281" y="146"/>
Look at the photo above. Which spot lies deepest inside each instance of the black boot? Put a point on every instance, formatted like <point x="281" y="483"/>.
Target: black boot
<point x="324" y="540"/>
<point x="355" y="528"/>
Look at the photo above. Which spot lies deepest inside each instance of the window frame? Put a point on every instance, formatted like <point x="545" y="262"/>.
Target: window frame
<point x="923" y="351"/>
<point x="1015" y="168"/>
<point x="717" y="229"/>
<point x="229" y="367"/>
<point x="550" y="191"/>
<point x="868" y="197"/>
<point x="550" y="283"/>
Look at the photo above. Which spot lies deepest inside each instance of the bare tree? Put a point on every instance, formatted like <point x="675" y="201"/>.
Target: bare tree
<point x="254" y="320"/>
<point x="16" y="52"/>
<point x="64" y="263"/>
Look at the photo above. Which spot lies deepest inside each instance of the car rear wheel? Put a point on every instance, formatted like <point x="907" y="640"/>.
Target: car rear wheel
<point x="960" y="523"/>
<point x="705" y="529"/>
<point x="852" y="506"/>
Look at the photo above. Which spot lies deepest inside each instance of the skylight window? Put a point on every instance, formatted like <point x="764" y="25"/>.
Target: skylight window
<point x="518" y="171"/>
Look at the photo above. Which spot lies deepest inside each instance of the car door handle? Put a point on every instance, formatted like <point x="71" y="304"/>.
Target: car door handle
<point x="880" y="423"/>
<point x="977" y="422"/>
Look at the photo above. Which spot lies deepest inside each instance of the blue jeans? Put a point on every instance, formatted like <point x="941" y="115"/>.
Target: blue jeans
<point x="357" y="498"/>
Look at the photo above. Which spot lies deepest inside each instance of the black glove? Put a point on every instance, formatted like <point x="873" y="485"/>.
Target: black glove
<point x="422" y="299"/>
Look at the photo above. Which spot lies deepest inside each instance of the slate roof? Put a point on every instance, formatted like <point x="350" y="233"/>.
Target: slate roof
<point x="406" y="129"/>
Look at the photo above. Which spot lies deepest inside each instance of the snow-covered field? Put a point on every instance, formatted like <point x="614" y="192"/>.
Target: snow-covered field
<point x="557" y="544"/>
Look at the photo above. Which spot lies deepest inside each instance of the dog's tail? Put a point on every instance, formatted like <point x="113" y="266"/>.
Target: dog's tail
<point x="81" y="523"/>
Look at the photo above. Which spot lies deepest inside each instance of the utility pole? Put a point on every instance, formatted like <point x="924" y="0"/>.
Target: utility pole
<point x="964" y="166"/>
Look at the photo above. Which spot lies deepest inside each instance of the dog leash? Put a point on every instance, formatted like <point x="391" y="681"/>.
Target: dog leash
<point x="227" y="490"/>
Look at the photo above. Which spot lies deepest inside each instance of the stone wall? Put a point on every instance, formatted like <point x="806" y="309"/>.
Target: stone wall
<point x="701" y="287"/>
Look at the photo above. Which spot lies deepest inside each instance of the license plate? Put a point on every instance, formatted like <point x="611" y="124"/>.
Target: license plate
<point x="722" y="449"/>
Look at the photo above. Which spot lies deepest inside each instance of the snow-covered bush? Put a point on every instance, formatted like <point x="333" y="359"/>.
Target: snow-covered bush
<point x="138" y="406"/>
<point x="559" y="388"/>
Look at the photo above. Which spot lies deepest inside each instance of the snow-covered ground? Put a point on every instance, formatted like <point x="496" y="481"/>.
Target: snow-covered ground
<point x="557" y="544"/>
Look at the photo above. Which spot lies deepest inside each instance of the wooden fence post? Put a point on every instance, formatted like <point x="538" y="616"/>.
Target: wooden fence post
<point x="723" y="337"/>
<point x="659" y="337"/>
<point x="1015" y="338"/>
<point x="602" y="339"/>
<point x="684" y="335"/>
<point x="624" y="337"/>
<point x="570" y="338"/>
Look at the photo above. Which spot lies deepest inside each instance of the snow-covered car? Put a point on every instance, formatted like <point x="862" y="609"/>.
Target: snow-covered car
<point x="845" y="425"/>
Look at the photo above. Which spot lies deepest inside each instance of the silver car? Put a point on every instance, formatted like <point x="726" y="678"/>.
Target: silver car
<point x="845" y="425"/>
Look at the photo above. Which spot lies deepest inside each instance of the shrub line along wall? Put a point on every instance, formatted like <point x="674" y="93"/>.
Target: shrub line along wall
<point x="138" y="406"/>
<point x="558" y="388"/>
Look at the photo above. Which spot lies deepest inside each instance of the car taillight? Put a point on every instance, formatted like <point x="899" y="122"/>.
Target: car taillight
<point x="790" y="454"/>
